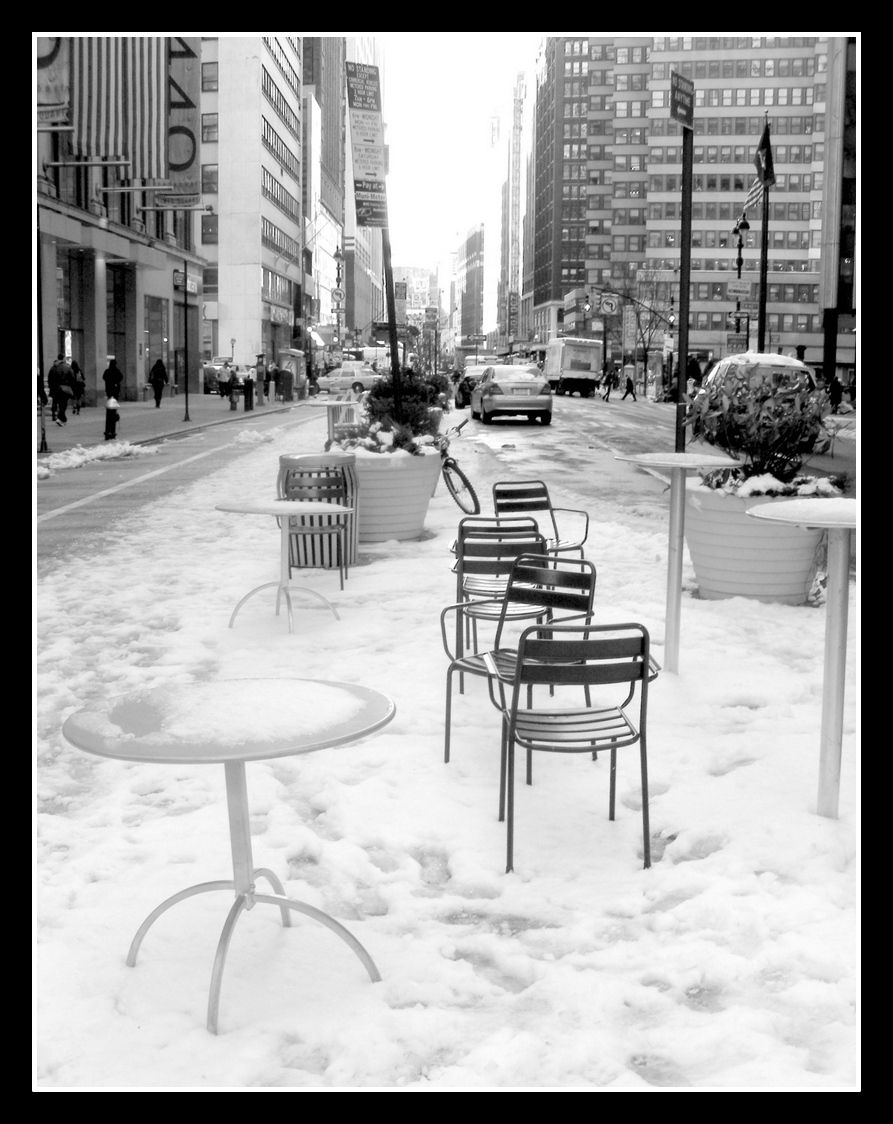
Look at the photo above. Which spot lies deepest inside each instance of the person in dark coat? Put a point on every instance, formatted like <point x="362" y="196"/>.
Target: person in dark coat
<point x="113" y="379"/>
<point x="159" y="380"/>
<point x="61" y="389"/>
<point x="630" y="389"/>
<point x="79" y="384"/>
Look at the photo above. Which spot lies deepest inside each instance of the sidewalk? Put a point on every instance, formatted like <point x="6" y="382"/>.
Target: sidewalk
<point x="140" y="421"/>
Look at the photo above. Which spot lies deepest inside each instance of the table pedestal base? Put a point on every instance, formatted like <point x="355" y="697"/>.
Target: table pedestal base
<point x="284" y="590"/>
<point x="246" y="898"/>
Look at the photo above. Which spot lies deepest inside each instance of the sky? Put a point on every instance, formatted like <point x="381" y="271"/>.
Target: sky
<point x="441" y="91"/>
<point x="732" y="964"/>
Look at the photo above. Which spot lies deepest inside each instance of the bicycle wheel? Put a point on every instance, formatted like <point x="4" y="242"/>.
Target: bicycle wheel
<point x="459" y="487"/>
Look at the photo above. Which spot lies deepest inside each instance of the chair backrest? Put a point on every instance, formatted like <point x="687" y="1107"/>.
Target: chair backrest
<point x="489" y="553"/>
<point x="319" y="486"/>
<point x="561" y="587"/>
<point x="585" y="654"/>
<point x="524" y="497"/>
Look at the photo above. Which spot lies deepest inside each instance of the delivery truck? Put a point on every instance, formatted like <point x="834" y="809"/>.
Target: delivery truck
<point x="574" y="365"/>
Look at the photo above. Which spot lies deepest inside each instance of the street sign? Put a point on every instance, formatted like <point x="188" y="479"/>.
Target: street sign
<point x="609" y="304"/>
<point x="477" y="339"/>
<point x="736" y="339"/>
<point x="739" y="288"/>
<point x="682" y="99"/>
<point x="337" y="296"/>
<point x="742" y="315"/>
<point x="749" y="306"/>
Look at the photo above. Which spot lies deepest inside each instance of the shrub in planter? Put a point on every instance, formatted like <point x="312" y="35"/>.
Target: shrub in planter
<point x="766" y="412"/>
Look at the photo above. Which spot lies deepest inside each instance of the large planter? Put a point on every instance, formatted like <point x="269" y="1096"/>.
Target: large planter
<point x="736" y="556"/>
<point x="394" y="492"/>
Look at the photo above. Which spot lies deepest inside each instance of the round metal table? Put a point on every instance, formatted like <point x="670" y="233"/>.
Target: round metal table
<point x="284" y="510"/>
<point x="839" y="516"/>
<point x="230" y="722"/>
<point x="678" y="464"/>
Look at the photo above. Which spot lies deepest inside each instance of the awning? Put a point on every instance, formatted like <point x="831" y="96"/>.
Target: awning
<point x="317" y="338"/>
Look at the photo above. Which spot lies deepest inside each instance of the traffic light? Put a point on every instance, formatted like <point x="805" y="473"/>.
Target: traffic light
<point x="671" y="319"/>
<point x="587" y="304"/>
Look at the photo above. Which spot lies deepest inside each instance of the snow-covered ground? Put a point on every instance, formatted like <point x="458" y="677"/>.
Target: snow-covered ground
<point x="730" y="964"/>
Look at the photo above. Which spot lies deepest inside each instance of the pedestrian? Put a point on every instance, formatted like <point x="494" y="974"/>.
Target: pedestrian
<point x="113" y="379"/>
<point x="159" y="380"/>
<point x="260" y="379"/>
<point x="271" y="380"/>
<point x="79" y="384"/>
<point x="112" y="417"/>
<point x="610" y="384"/>
<point x="835" y="393"/>
<point x="61" y="389"/>
<point x="630" y="389"/>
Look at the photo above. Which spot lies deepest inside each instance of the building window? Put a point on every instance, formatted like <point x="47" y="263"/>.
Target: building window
<point x="209" y="281"/>
<point x="209" y="229"/>
<point x="209" y="77"/>
<point x="209" y="179"/>
<point x="209" y="127"/>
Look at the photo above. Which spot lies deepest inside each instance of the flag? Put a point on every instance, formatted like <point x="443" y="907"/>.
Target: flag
<point x="754" y="196"/>
<point x="119" y="102"/>
<point x="763" y="159"/>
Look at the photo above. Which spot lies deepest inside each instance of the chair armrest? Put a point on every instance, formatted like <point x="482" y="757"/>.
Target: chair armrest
<point x="653" y="668"/>
<point x="459" y="607"/>
<point x="582" y="514"/>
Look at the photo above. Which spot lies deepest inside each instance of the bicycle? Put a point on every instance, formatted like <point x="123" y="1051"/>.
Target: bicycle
<point x="458" y="484"/>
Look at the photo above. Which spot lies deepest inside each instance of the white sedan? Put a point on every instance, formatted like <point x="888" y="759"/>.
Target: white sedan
<point x="512" y="391"/>
<point x="349" y="376"/>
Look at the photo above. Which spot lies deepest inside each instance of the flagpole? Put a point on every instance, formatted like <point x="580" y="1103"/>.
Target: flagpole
<point x="764" y="272"/>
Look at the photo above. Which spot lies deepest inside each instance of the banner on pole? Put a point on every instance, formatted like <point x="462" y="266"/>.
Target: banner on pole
<point x="367" y="144"/>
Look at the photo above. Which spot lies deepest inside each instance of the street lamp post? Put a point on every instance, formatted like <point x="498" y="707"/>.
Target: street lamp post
<point x="740" y="227"/>
<point x="339" y="262"/>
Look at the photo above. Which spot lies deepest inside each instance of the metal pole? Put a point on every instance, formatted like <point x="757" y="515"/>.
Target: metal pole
<point x="392" y="317"/>
<point x="186" y="417"/>
<point x="764" y="272"/>
<point x="684" y="281"/>
<point x="836" y="612"/>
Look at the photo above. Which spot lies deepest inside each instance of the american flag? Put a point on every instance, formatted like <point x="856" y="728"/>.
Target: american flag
<point x="754" y="196"/>
<point x="119" y="102"/>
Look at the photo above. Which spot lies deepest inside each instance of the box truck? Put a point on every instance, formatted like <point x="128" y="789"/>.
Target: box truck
<point x="574" y="365"/>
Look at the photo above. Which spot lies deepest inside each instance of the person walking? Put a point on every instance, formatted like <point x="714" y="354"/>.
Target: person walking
<point x="260" y="380"/>
<point x="159" y="380"/>
<point x="630" y="389"/>
<point x="113" y="379"/>
<point x="270" y="381"/>
<point x="79" y="385"/>
<point x="61" y="389"/>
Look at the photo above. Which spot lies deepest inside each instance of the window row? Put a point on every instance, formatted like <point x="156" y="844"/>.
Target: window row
<point x="284" y="63"/>
<point x="723" y="265"/>
<point x="283" y="110"/>
<point x="729" y="211"/>
<point x="278" y="241"/>
<point x="749" y="67"/>
<point x="737" y="181"/>
<point x="741" y="96"/>
<point x="737" y="126"/>
<point x="729" y="42"/>
<point x="280" y="150"/>
<point x="273" y="190"/>
<point x="734" y="154"/>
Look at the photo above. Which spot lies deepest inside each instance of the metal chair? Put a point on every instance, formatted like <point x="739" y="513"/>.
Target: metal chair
<point x="481" y="572"/>
<point x="567" y="657"/>
<point x="539" y="587"/>
<point x="531" y="497"/>
<point x="318" y="541"/>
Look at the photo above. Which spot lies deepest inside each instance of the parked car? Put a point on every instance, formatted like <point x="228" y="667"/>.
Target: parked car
<point x="507" y="391"/>
<point x="786" y="372"/>
<point x="467" y="383"/>
<point x="351" y="375"/>
<point x="210" y="381"/>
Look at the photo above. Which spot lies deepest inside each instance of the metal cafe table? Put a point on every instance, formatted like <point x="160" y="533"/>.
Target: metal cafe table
<point x="838" y="515"/>
<point x="227" y="723"/>
<point x="678" y="464"/>
<point x="284" y="510"/>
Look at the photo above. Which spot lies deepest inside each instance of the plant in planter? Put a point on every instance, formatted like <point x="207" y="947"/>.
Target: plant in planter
<point x="765" y="411"/>
<point x="397" y="453"/>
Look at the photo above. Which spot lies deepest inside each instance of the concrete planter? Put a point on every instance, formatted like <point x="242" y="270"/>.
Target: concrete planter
<point x="394" y="492"/>
<point x="736" y="556"/>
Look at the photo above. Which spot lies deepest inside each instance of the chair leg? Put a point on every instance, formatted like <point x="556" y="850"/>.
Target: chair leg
<point x="448" y="716"/>
<point x="646" y="818"/>
<point x="502" y="768"/>
<point x="613" y="788"/>
<point x="510" y="808"/>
